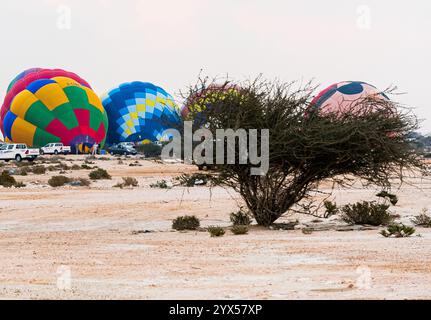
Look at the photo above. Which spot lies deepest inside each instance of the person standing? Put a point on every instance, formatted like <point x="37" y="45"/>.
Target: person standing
<point x="95" y="146"/>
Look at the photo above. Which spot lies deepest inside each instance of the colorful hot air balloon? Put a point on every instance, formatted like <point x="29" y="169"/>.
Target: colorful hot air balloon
<point x="345" y="96"/>
<point x="139" y="112"/>
<point x="201" y="100"/>
<point x="56" y="110"/>
<point x="25" y="78"/>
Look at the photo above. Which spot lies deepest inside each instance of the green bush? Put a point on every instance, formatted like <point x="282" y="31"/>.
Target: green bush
<point x="162" y="184"/>
<point x="76" y="167"/>
<point x="86" y="167"/>
<point x="366" y="212"/>
<point x="185" y="223"/>
<point x="393" y="199"/>
<point x="240" y="218"/>
<point x="330" y="209"/>
<point x="150" y="150"/>
<point x="99" y="174"/>
<point x="238" y="229"/>
<point x="216" y="231"/>
<point x="398" y="230"/>
<point x="6" y="180"/>
<point x="58" y="181"/>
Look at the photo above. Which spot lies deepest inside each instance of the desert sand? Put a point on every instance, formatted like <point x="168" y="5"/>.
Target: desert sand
<point x="101" y="242"/>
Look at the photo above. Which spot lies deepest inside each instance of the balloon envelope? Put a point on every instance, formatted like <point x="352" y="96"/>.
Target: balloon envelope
<point x="345" y="96"/>
<point x="201" y="100"/>
<point x="25" y="78"/>
<point x="139" y="112"/>
<point x="56" y="110"/>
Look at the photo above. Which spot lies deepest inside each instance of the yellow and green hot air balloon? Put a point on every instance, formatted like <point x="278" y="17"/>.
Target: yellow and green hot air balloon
<point x="56" y="110"/>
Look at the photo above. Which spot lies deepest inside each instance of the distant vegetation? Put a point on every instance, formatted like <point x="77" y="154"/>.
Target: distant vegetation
<point x="239" y="229"/>
<point x="127" y="182"/>
<point x="58" y="181"/>
<point x="7" y="181"/>
<point x="216" y="231"/>
<point x="99" y="174"/>
<point x="421" y="143"/>
<point x="366" y="212"/>
<point x="185" y="223"/>
<point x="398" y="230"/>
<point x="423" y="220"/>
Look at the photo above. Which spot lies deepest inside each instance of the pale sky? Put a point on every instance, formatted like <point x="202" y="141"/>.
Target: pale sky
<point x="168" y="42"/>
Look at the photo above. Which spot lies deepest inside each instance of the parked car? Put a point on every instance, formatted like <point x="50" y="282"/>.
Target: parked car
<point x="55" y="148"/>
<point x="17" y="151"/>
<point x="122" y="150"/>
<point x="127" y="144"/>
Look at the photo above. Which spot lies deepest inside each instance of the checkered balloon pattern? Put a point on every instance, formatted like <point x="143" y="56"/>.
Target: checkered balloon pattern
<point x="140" y="112"/>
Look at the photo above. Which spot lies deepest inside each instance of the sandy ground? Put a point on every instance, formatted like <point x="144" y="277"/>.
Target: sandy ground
<point x="101" y="242"/>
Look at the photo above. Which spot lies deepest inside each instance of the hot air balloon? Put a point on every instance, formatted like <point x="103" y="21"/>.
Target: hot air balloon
<point x="203" y="99"/>
<point x="139" y="112"/>
<point x="25" y="78"/>
<point x="59" y="109"/>
<point x="346" y="96"/>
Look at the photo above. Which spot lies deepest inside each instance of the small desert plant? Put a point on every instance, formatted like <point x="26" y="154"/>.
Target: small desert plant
<point x="422" y="220"/>
<point x="216" y="231"/>
<point x="393" y="199"/>
<point x="19" y="185"/>
<point x="24" y="171"/>
<point x="75" y="167"/>
<point x="190" y="180"/>
<point x="39" y="169"/>
<point x="63" y="166"/>
<point x="367" y="213"/>
<point x="58" y="181"/>
<point x="120" y="161"/>
<point x="83" y="182"/>
<point x="185" y="223"/>
<point x="239" y="229"/>
<point x="398" y="230"/>
<point x="127" y="182"/>
<point x="99" y="174"/>
<point x="240" y="218"/>
<point x="330" y="209"/>
<point x="162" y="184"/>
<point x="86" y="167"/>
<point x="6" y="180"/>
<point x="307" y="231"/>
<point x="130" y="182"/>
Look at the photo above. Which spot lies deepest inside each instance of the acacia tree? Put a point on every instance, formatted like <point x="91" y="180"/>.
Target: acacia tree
<point x="368" y="141"/>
